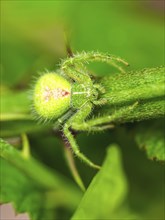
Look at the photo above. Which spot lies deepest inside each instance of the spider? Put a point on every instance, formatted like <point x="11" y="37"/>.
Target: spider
<point x="70" y="95"/>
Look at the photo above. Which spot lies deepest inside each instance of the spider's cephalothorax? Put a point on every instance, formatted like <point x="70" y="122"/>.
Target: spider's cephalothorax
<point x="54" y="95"/>
<point x="82" y="93"/>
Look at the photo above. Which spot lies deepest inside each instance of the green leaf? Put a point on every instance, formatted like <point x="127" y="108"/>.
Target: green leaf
<point x="32" y="187"/>
<point x="106" y="192"/>
<point x="17" y="188"/>
<point x="151" y="138"/>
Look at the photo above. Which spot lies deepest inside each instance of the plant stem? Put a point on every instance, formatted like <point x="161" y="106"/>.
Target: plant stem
<point x="146" y="88"/>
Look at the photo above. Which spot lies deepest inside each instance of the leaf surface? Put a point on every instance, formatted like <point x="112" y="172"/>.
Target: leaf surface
<point x="151" y="138"/>
<point x="17" y="188"/>
<point x="107" y="190"/>
<point x="33" y="188"/>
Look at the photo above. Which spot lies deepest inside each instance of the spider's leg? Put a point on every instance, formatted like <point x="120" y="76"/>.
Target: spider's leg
<point x="75" y="71"/>
<point x="86" y="127"/>
<point x="99" y="87"/>
<point x="104" y="121"/>
<point x="78" y="117"/>
<point x="60" y="121"/>
<point x="85" y="58"/>
<point x="101" y="101"/>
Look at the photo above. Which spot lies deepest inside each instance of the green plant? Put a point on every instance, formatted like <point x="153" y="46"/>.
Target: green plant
<point x="96" y="104"/>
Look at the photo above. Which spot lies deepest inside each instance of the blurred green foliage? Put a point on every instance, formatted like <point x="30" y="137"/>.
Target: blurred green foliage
<point x="105" y="186"/>
<point x="33" y="38"/>
<point x="33" y="35"/>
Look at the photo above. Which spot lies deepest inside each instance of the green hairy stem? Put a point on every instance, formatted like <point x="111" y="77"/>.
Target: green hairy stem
<point x="134" y="95"/>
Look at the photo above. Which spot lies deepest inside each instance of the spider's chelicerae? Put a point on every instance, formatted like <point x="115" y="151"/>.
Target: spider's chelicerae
<point x="69" y="96"/>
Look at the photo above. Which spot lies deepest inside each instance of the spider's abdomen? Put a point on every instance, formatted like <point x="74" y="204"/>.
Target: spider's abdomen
<point x="51" y="97"/>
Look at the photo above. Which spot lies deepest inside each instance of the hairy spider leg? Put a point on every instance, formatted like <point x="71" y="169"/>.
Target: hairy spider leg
<point x="91" y="125"/>
<point x="99" y="87"/>
<point x="85" y="58"/>
<point x="101" y="101"/>
<point x="86" y="127"/>
<point x="76" y="74"/>
<point x="78" y="117"/>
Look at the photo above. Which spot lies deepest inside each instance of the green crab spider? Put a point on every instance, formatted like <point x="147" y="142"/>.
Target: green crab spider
<point x="70" y="96"/>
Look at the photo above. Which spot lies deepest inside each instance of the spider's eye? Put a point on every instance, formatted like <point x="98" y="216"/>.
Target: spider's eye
<point x="51" y="96"/>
